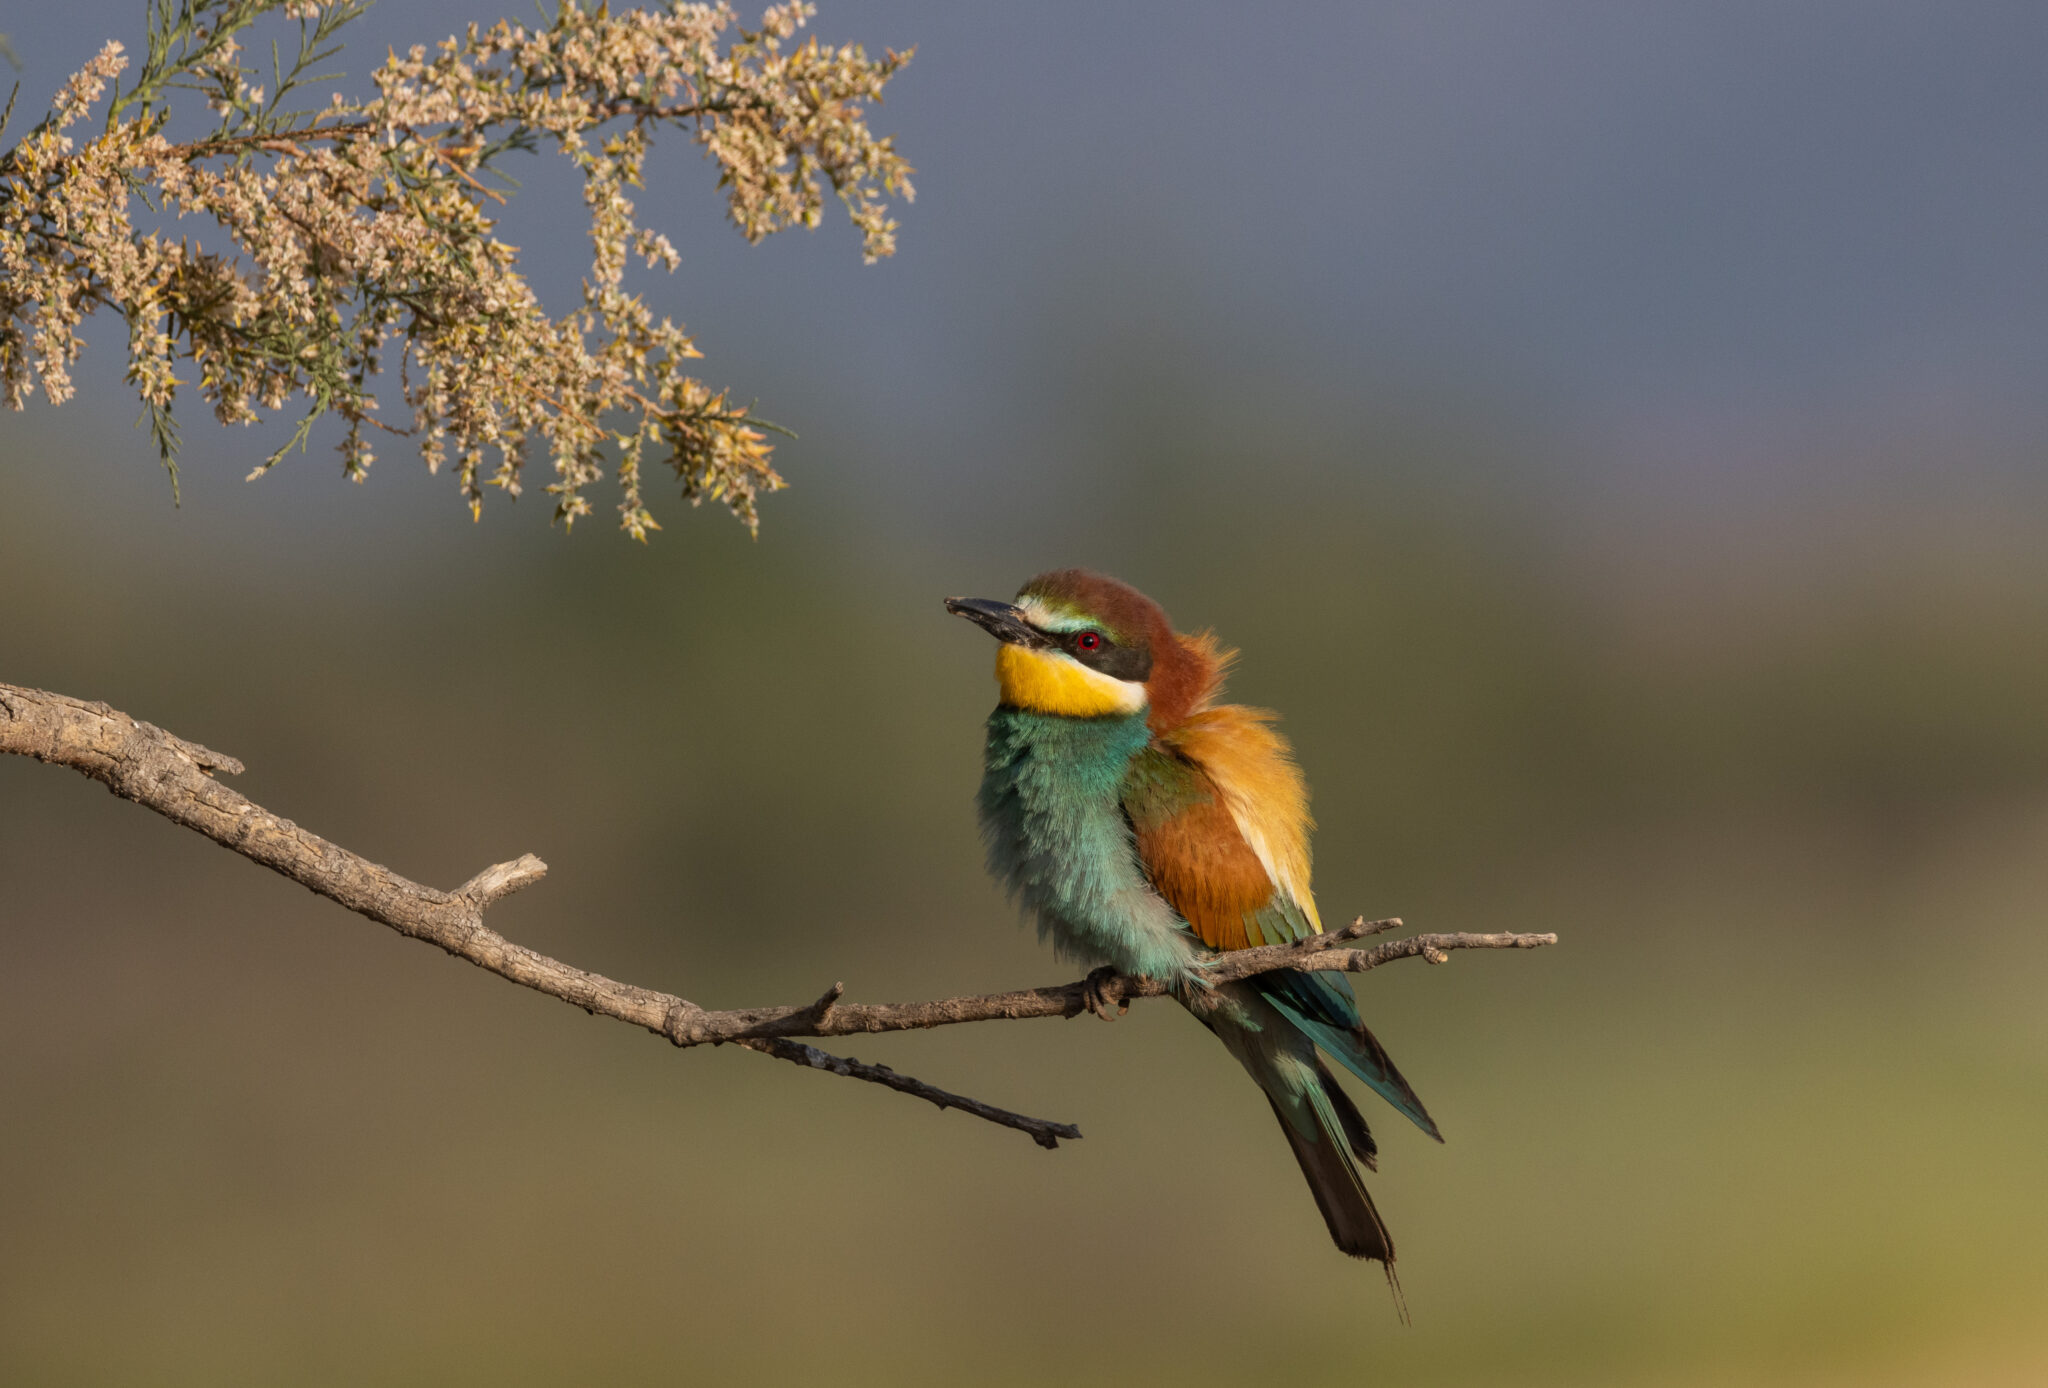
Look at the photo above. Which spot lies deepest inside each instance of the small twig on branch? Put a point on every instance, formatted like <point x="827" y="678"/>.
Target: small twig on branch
<point x="1044" y="1132"/>
<point x="165" y="773"/>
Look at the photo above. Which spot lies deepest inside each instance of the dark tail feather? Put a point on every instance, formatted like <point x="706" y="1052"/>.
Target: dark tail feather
<point x="1355" y="1131"/>
<point x="1355" y="1225"/>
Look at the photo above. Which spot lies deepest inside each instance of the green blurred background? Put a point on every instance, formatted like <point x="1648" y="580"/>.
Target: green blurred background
<point x="1659" y="563"/>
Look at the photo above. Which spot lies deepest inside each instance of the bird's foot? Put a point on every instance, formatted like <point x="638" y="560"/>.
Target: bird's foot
<point x="1095" y="998"/>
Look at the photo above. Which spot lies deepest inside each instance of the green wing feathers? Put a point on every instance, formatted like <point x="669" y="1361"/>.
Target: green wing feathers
<point x="1322" y="1007"/>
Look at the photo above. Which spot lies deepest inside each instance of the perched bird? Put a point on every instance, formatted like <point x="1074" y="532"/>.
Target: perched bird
<point x="1145" y="825"/>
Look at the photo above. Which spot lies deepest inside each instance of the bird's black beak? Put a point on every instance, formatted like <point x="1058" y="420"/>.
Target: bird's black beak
<point x="1002" y="620"/>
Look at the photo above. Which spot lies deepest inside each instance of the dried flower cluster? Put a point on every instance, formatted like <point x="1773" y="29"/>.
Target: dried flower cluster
<point x="360" y="227"/>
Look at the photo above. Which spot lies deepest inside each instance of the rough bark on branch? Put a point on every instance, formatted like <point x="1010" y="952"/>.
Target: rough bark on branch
<point x="141" y="762"/>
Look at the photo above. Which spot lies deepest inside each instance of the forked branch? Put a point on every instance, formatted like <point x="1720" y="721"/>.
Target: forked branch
<point x="165" y="773"/>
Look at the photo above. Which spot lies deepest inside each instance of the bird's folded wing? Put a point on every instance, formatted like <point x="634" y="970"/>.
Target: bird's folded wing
<point x="1220" y="815"/>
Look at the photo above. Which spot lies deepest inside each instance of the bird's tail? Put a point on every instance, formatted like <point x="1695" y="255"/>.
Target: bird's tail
<point x="1325" y="1131"/>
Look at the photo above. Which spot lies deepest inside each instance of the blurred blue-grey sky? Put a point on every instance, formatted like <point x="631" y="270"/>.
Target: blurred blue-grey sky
<point x="1681" y="236"/>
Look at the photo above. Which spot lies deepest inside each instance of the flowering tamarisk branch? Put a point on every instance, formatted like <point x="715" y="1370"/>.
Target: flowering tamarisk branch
<point x="358" y="228"/>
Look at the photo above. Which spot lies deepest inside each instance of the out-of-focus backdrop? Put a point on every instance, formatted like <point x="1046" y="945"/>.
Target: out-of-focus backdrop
<point x="1613" y="436"/>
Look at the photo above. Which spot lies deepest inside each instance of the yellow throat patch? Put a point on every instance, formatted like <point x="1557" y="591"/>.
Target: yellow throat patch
<point x="1049" y="682"/>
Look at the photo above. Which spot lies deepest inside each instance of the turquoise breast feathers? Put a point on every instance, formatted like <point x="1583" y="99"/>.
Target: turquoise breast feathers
<point x="1052" y="816"/>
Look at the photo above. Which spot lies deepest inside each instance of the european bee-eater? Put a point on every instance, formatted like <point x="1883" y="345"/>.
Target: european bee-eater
<point x="1144" y="824"/>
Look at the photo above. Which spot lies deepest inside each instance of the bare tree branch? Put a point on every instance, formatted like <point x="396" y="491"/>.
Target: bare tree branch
<point x="165" y="773"/>
<point x="141" y="762"/>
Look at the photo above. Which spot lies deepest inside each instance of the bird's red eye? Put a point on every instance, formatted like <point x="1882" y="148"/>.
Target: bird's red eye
<point x="1088" y="641"/>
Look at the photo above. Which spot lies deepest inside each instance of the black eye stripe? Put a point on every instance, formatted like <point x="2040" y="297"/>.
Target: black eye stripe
<point x="1112" y="659"/>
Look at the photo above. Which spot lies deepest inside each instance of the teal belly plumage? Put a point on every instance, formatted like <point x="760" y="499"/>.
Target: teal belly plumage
<point x="1058" y="839"/>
